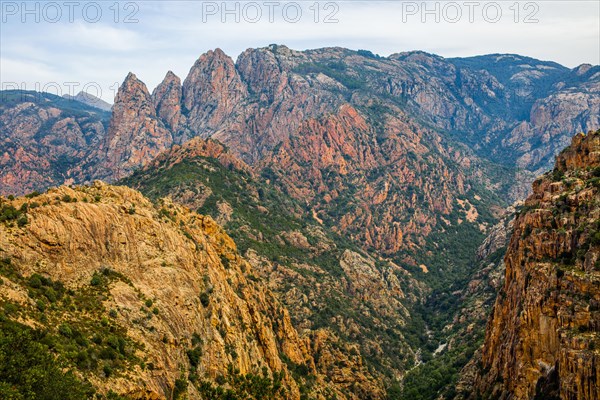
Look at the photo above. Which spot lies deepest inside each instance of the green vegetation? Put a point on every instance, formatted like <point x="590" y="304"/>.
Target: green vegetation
<point x="9" y="214"/>
<point x="204" y="299"/>
<point x="368" y="54"/>
<point x="29" y="370"/>
<point x="77" y="334"/>
<point x="180" y="388"/>
<point x="235" y="386"/>
<point x="451" y="259"/>
<point x="32" y="194"/>
<point x="438" y="375"/>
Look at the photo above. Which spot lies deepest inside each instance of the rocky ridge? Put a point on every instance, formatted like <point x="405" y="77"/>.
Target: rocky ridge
<point x="393" y="153"/>
<point x="181" y="264"/>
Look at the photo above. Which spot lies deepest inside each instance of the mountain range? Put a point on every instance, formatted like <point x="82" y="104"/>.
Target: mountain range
<point x="368" y="203"/>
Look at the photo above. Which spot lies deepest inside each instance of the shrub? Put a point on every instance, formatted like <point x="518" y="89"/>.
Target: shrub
<point x="194" y="356"/>
<point x="204" y="299"/>
<point x="165" y="213"/>
<point x="557" y="175"/>
<point x="113" y="396"/>
<point x="107" y="370"/>
<point x="65" y="330"/>
<point x="180" y="388"/>
<point x="196" y="339"/>
<point x="22" y="221"/>
<point x="11" y="309"/>
<point x="368" y="54"/>
<point x="35" y="281"/>
<point x="108" y="353"/>
<point x="225" y="261"/>
<point x="40" y="305"/>
<point x="32" y="194"/>
<point x="96" y="280"/>
<point x="9" y="213"/>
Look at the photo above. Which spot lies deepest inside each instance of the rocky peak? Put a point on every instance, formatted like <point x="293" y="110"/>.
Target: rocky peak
<point x="167" y="101"/>
<point x="131" y="84"/>
<point x="194" y="148"/>
<point x="416" y="56"/>
<point x="211" y="91"/>
<point x="135" y="134"/>
<point x="582" y="69"/>
<point x="584" y="152"/>
<point x="133" y="93"/>
<point x="261" y="69"/>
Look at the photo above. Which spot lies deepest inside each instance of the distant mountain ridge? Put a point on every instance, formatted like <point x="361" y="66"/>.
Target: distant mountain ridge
<point x="89" y="100"/>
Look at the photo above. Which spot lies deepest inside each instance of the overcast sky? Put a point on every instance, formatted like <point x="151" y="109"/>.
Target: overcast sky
<point x="98" y="43"/>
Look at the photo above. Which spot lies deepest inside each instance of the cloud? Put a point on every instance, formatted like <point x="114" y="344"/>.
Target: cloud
<point x="171" y="35"/>
<point x="101" y="37"/>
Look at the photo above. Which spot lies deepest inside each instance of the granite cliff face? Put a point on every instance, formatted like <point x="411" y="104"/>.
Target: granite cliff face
<point x="542" y="337"/>
<point x="167" y="101"/>
<point x="378" y="187"/>
<point x="509" y="107"/>
<point x="187" y="303"/>
<point x="573" y="107"/>
<point x="211" y="92"/>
